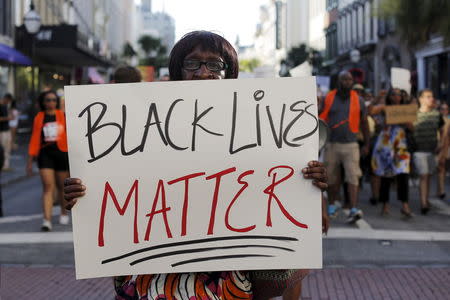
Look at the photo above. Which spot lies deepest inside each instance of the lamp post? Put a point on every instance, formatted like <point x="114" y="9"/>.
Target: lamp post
<point x="32" y="22"/>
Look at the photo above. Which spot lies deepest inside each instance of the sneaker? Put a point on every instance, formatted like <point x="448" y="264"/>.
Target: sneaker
<point x="46" y="226"/>
<point x="355" y="215"/>
<point x="64" y="219"/>
<point x="332" y="211"/>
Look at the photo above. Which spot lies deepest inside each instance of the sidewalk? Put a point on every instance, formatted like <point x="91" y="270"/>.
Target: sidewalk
<point x="19" y="282"/>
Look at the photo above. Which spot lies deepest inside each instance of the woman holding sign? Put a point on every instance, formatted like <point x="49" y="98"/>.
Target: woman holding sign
<point x="202" y="55"/>
<point x="391" y="159"/>
<point x="48" y="144"/>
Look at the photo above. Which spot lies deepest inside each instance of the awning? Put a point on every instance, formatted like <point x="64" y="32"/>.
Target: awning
<point x="61" y="45"/>
<point x="13" y="56"/>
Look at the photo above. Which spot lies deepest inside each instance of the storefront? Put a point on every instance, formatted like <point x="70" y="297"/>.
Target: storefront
<point x="62" y="56"/>
<point x="8" y="58"/>
<point x="59" y="53"/>
<point x="433" y="67"/>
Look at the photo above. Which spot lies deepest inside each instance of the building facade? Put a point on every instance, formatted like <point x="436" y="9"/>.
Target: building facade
<point x="359" y="41"/>
<point x="433" y="68"/>
<point x="157" y="24"/>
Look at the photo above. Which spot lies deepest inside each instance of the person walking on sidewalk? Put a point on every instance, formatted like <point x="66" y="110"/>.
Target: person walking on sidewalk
<point x="391" y="159"/>
<point x="5" y="133"/>
<point x="48" y="144"/>
<point x="345" y="113"/>
<point x="429" y="122"/>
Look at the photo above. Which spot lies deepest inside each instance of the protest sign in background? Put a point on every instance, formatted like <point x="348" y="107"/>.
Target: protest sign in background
<point x="400" y="79"/>
<point x="399" y="114"/>
<point x="194" y="176"/>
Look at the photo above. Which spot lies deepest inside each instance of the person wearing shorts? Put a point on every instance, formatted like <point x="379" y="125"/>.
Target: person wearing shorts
<point x="48" y="145"/>
<point x="345" y="113"/>
<point x="429" y="122"/>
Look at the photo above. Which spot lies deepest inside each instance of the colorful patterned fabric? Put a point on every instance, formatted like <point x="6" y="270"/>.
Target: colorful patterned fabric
<point x="390" y="155"/>
<point x="184" y="286"/>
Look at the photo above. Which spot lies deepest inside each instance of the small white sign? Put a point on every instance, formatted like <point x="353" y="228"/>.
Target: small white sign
<point x="194" y="176"/>
<point x="400" y="79"/>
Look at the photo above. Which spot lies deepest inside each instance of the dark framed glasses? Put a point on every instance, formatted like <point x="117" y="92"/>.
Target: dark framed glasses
<point x="52" y="99"/>
<point x="213" y="66"/>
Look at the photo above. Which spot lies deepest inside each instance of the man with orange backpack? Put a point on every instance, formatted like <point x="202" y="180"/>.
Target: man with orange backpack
<point x="345" y="113"/>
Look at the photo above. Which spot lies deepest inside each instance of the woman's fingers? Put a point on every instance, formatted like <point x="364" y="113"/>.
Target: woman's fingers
<point x="70" y="204"/>
<point x="73" y="195"/>
<point x="74" y="188"/>
<point x="71" y="181"/>
<point x="321" y="185"/>
<point x="319" y="173"/>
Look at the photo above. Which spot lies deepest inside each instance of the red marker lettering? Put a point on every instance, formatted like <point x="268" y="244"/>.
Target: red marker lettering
<point x="121" y="210"/>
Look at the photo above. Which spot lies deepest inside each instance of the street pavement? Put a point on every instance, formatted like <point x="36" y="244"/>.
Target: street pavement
<point x="379" y="257"/>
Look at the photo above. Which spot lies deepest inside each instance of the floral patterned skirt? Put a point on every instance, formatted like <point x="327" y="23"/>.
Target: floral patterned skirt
<point x="184" y="286"/>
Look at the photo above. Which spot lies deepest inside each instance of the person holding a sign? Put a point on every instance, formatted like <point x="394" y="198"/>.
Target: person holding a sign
<point x="391" y="159"/>
<point x="345" y="113"/>
<point x="200" y="55"/>
<point x="48" y="144"/>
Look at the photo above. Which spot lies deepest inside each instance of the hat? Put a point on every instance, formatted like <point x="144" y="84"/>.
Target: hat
<point x="358" y="87"/>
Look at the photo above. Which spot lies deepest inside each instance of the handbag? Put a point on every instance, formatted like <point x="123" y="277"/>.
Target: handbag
<point x="272" y="283"/>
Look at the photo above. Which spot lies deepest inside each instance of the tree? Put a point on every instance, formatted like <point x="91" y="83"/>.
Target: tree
<point x="248" y="65"/>
<point x="419" y="19"/>
<point x="128" y="51"/>
<point x="297" y="55"/>
<point x="149" y="44"/>
<point x="155" y="52"/>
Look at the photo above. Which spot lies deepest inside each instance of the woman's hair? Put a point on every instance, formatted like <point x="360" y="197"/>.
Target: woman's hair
<point x="42" y="96"/>
<point x="423" y="92"/>
<point x="390" y="93"/>
<point x="207" y="41"/>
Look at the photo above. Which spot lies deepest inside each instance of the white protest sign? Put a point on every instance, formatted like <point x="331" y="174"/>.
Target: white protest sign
<point x="194" y="176"/>
<point x="400" y="79"/>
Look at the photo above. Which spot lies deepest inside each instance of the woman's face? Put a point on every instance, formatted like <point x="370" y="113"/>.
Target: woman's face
<point x="50" y="101"/>
<point x="396" y="97"/>
<point x="200" y="64"/>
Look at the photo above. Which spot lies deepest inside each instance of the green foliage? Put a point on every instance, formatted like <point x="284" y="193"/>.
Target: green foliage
<point x="155" y="52"/>
<point x="418" y="19"/>
<point x="298" y="55"/>
<point x="248" y="65"/>
<point x="128" y="50"/>
<point x="149" y="43"/>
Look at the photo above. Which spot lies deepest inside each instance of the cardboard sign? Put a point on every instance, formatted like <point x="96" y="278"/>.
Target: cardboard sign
<point x="399" y="114"/>
<point x="194" y="176"/>
<point x="400" y="79"/>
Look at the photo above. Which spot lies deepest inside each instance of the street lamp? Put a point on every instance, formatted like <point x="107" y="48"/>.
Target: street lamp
<point x="32" y="22"/>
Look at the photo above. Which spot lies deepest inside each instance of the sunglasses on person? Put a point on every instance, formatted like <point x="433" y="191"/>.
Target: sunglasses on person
<point x="213" y="66"/>
<point x="52" y="99"/>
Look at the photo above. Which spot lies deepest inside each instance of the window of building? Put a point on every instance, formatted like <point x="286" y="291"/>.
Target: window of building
<point x="6" y="17"/>
<point x="331" y="41"/>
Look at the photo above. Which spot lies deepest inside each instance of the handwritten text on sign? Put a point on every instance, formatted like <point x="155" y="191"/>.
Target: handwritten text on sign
<point x="194" y="176"/>
<point x="399" y="114"/>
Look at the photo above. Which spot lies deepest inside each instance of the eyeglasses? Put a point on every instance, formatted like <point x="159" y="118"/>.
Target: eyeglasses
<point x="50" y="99"/>
<point x="213" y="66"/>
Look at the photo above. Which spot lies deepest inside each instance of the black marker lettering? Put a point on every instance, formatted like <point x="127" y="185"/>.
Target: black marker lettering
<point x="92" y="128"/>
<point x="195" y="124"/>
<point x="233" y="129"/>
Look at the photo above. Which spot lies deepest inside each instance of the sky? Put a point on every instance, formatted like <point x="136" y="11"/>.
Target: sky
<point x="228" y="18"/>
